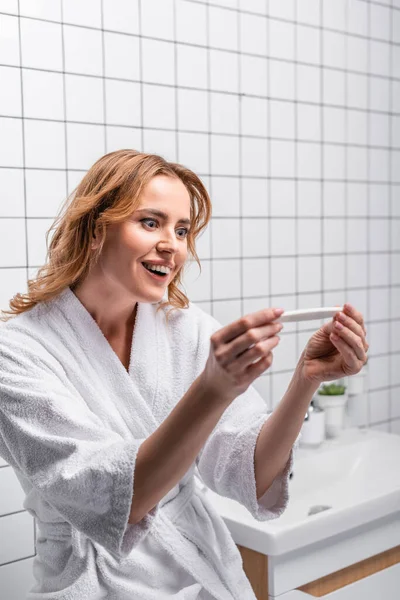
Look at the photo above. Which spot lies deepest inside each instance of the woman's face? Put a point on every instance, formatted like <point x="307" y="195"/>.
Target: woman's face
<point x="146" y="237"/>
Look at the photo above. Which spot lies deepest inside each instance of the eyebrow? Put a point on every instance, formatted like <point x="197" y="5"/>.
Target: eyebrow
<point x="161" y="214"/>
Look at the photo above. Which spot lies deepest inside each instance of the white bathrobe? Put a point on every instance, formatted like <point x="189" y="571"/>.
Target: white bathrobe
<point x="72" y="420"/>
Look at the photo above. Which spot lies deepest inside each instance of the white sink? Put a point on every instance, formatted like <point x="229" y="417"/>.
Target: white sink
<point x="357" y="475"/>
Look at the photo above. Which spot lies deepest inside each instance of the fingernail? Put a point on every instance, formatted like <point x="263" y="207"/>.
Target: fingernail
<point x="279" y="311"/>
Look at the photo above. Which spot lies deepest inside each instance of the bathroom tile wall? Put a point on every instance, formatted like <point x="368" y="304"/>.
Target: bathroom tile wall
<point x="290" y="113"/>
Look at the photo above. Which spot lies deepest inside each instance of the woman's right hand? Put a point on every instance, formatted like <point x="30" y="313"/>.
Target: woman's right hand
<point x="229" y="370"/>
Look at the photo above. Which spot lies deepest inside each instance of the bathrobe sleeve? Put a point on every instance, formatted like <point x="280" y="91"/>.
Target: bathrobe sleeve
<point x="84" y="470"/>
<point x="226" y="461"/>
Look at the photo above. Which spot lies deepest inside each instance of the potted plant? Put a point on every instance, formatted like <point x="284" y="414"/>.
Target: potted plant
<point x="332" y="398"/>
<point x="356" y="383"/>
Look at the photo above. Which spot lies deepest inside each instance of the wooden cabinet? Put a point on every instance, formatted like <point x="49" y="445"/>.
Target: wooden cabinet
<point x="382" y="570"/>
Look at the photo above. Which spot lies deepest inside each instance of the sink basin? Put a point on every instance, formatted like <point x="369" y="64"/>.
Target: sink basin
<point x="348" y="481"/>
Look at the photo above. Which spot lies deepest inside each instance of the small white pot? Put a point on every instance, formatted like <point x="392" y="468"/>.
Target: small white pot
<point x="356" y="383"/>
<point x="334" y="407"/>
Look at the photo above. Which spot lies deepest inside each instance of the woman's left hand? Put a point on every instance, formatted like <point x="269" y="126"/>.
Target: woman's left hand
<point x="326" y="358"/>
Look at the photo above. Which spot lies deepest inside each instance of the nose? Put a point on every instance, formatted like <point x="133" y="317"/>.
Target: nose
<point x="168" y="241"/>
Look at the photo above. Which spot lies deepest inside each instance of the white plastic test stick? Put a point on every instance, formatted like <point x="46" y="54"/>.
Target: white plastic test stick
<point x="308" y="314"/>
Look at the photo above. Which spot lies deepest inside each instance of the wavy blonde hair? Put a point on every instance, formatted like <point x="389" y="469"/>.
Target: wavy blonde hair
<point x="108" y="193"/>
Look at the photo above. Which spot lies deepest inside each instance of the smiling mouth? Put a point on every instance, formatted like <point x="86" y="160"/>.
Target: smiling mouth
<point x="156" y="274"/>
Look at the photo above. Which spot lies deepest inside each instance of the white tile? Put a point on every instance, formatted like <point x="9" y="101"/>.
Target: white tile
<point x="378" y="200"/>
<point x="283" y="236"/>
<point x="379" y="337"/>
<point x="9" y="44"/>
<point x="334" y="124"/>
<point x="334" y="14"/>
<point x="255" y="237"/>
<point x="281" y="39"/>
<point x="255" y="276"/>
<point x="44" y="144"/>
<point x="197" y="285"/>
<point x="395" y="124"/>
<point x="395" y="269"/>
<point x="282" y="119"/>
<point x="254" y="116"/>
<point x="334" y="54"/>
<point x="394" y="370"/>
<point x="309" y="273"/>
<point x="379" y="129"/>
<point x="309" y="195"/>
<point x="122" y="137"/>
<point x="357" y="410"/>
<point x="121" y="15"/>
<point x="379" y="164"/>
<point x="380" y="17"/>
<point x="18" y="530"/>
<point x="378" y="371"/>
<point x="357" y="234"/>
<point x="12" y="193"/>
<point x="10" y="98"/>
<point x="395" y="71"/>
<point x="308" y="160"/>
<point x="282" y="10"/>
<point x="255" y="6"/>
<point x="253" y="34"/>
<point x="282" y="200"/>
<point x="357" y="199"/>
<point x="224" y="155"/>
<point x="393" y="335"/>
<point x="379" y="268"/>
<point x="379" y="58"/>
<point x="253" y="75"/>
<point x="224" y="113"/>
<point x="254" y="157"/>
<point x="121" y="56"/>
<point x="36" y="236"/>
<point x="396" y="26"/>
<point x="228" y="3"/>
<point x="225" y="236"/>
<point x="308" y="83"/>
<point x="84" y="98"/>
<point x="395" y="165"/>
<point x="223" y="28"/>
<point x="158" y="61"/>
<point x="394" y="201"/>
<point x="160" y="142"/>
<point x="357" y="163"/>
<point x="43" y="94"/>
<point x="85" y="145"/>
<point x="308" y="122"/>
<point x="73" y="179"/>
<point x="17" y="579"/>
<point x="379" y="231"/>
<point x="357" y="127"/>
<point x="357" y="90"/>
<point x="309" y="236"/>
<point x="333" y="161"/>
<point x="45" y="192"/>
<point x="308" y="44"/>
<point x="254" y="197"/>
<point x="223" y="71"/>
<point x="225" y="311"/>
<point x="379" y="300"/>
<point x="192" y="66"/>
<point x="83" y="50"/>
<point x="82" y="13"/>
<point x="9" y="6"/>
<point x="357" y="54"/>
<point x="280" y="383"/>
<point x="357" y="17"/>
<point x="334" y="85"/>
<point x="225" y="196"/>
<point x="191" y="22"/>
<point x="333" y="235"/>
<point x="45" y="9"/>
<point x="194" y="152"/>
<point x="192" y="110"/>
<point x="395" y="235"/>
<point x="283" y="276"/>
<point x="308" y="11"/>
<point x="154" y="97"/>
<point x="157" y="19"/>
<point x="285" y="353"/>
<point x="226" y="278"/>
<point x="123" y="104"/>
<point x="334" y="199"/>
<point x="281" y="80"/>
<point x="47" y="54"/>
<point x="12" y="244"/>
<point x="357" y="270"/>
<point x="334" y="272"/>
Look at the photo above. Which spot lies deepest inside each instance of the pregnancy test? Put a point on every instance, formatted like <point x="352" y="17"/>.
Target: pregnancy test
<point x="308" y="314"/>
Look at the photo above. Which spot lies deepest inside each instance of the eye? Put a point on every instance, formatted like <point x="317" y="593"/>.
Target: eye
<point x="155" y="221"/>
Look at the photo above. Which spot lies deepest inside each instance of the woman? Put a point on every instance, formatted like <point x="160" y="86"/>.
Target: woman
<point x="109" y="403"/>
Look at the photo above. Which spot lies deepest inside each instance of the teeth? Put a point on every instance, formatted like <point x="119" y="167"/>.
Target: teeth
<point x="157" y="268"/>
